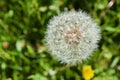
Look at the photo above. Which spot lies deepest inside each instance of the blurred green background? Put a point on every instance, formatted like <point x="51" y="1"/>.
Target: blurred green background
<point x="24" y="56"/>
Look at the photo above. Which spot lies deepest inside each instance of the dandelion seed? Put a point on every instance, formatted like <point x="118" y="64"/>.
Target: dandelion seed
<point x="72" y="36"/>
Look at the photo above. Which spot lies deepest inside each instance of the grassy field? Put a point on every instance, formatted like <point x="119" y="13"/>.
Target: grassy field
<point x="24" y="56"/>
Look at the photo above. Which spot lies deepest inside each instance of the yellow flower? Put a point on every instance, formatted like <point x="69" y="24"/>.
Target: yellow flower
<point x="87" y="72"/>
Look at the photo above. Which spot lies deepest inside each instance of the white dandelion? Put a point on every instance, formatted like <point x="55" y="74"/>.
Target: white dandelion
<point x="72" y="36"/>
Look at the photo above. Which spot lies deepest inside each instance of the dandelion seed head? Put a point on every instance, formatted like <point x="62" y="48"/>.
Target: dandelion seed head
<point x="72" y="36"/>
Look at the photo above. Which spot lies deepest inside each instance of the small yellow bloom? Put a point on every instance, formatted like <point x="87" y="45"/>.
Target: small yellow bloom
<point x="87" y="72"/>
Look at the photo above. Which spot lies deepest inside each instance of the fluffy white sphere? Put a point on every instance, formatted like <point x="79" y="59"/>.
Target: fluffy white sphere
<point x="72" y="36"/>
